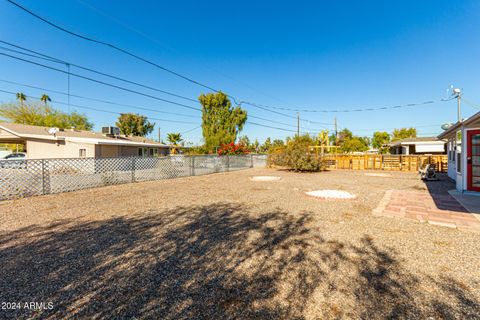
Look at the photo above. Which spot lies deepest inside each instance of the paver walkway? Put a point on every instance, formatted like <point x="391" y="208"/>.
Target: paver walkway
<point x="435" y="209"/>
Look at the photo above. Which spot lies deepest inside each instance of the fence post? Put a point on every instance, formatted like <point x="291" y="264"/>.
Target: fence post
<point x="43" y="176"/>
<point x="133" y="169"/>
<point x="228" y="163"/>
<point x="251" y="161"/>
<point x="192" y="166"/>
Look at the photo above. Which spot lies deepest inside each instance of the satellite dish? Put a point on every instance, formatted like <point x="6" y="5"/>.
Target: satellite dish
<point x="52" y="131"/>
<point x="446" y="126"/>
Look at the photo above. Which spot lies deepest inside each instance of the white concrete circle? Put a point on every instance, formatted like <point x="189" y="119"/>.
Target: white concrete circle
<point x="265" y="178"/>
<point x="331" y="194"/>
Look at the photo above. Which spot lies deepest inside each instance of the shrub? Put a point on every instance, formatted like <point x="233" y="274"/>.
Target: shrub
<point x="296" y="155"/>
<point x="232" y="149"/>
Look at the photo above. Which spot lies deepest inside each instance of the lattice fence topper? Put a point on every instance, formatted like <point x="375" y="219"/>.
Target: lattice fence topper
<point x="24" y="178"/>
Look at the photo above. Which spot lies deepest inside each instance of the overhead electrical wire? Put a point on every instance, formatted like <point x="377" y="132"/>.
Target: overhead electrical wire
<point x="52" y="59"/>
<point x="39" y="55"/>
<point x="112" y="46"/>
<point x="126" y="105"/>
<point x="98" y="100"/>
<point x="261" y="106"/>
<point x="97" y="109"/>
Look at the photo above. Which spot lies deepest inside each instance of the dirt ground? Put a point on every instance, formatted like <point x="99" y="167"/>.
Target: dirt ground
<point x="222" y="246"/>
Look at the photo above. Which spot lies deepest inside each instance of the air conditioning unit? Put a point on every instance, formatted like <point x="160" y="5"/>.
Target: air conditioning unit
<point x="111" y="131"/>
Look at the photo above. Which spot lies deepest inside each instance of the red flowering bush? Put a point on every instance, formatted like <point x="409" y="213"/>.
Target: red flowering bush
<point x="231" y="149"/>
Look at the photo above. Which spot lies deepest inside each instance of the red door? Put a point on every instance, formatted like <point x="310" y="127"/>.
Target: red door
<point x="473" y="160"/>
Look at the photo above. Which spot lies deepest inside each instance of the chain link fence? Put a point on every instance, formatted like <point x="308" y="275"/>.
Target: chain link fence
<point x="25" y="178"/>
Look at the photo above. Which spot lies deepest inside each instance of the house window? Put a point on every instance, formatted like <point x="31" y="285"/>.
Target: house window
<point x="153" y="152"/>
<point x="82" y="153"/>
<point x="143" y="152"/>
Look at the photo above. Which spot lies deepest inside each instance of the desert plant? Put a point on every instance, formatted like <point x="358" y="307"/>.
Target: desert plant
<point x="296" y="155"/>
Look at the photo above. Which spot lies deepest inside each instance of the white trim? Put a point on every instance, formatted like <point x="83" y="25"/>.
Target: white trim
<point x="113" y="142"/>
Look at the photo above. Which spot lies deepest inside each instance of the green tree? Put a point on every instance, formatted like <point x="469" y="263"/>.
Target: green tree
<point x="46" y="116"/>
<point x="21" y="97"/>
<point x="221" y="123"/>
<point x="404" y="133"/>
<point x="174" y="138"/>
<point x="355" y="144"/>
<point x="265" y="147"/>
<point x="132" y="124"/>
<point x="278" y="143"/>
<point x="45" y="99"/>
<point x="344" y="135"/>
<point x="380" y="141"/>
<point x="244" y="140"/>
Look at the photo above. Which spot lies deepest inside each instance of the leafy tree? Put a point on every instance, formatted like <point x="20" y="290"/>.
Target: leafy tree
<point x="404" y="133"/>
<point x="21" y="97"/>
<point x="344" y="135"/>
<point x="244" y="140"/>
<point x="45" y="99"/>
<point x="132" y="124"/>
<point x="40" y="115"/>
<point x="380" y="140"/>
<point x="355" y="144"/>
<point x="221" y="123"/>
<point x="174" y="138"/>
<point x="278" y="143"/>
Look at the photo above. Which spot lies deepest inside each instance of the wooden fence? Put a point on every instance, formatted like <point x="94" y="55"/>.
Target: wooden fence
<point x="385" y="162"/>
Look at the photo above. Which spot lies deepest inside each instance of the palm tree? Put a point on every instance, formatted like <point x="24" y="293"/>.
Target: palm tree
<point x="45" y="99"/>
<point x="21" y="97"/>
<point x="174" y="139"/>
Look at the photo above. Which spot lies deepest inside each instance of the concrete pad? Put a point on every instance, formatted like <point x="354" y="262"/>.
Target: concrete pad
<point x="469" y="201"/>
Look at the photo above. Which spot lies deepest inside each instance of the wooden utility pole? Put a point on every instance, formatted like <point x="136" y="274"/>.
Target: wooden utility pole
<point x="298" y="124"/>
<point x="159" y="137"/>
<point x="336" y="131"/>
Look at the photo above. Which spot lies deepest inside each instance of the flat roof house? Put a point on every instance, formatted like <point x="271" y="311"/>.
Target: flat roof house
<point x="421" y="145"/>
<point x="44" y="142"/>
<point x="464" y="153"/>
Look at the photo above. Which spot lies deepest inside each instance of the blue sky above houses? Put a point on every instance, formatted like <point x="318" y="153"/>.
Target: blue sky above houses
<point x="304" y="54"/>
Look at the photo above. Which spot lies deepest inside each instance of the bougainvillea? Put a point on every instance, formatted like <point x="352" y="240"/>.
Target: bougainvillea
<point x="232" y="149"/>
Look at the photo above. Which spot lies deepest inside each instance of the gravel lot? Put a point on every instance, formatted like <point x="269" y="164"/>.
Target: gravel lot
<point x="223" y="246"/>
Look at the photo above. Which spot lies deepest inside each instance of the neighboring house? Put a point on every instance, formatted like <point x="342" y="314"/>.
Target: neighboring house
<point x="464" y="153"/>
<point x="421" y="145"/>
<point x="44" y="142"/>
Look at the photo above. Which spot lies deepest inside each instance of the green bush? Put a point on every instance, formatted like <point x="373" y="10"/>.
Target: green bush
<point x="296" y="155"/>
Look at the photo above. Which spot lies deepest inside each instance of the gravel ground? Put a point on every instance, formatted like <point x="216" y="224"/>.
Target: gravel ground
<point x="223" y="246"/>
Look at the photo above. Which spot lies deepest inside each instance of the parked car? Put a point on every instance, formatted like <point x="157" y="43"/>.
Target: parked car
<point x="14" y="161"/>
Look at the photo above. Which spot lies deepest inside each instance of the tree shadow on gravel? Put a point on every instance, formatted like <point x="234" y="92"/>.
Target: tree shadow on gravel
<point x="213" y="262"/>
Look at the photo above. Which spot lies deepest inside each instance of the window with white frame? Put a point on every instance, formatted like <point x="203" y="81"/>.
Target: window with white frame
<point x="82" y="153"/>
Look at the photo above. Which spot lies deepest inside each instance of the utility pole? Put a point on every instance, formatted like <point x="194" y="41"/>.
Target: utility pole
<point x="458" y="94"/>
<point x="336" y="131"/>
<point x="298" y="124"/>
<point x="159" y="137"/>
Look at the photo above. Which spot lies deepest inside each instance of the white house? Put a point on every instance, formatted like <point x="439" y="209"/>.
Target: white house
<point x="463" y="146"/>
<point x="44" y="142"/>
<point x="420" y="145"/>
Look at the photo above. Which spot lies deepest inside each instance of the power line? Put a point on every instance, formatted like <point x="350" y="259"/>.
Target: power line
<point x="264" y="107"/>
<point x="99" y="81"/>
<point x="127" y="105"/>
<point x="99" y="100"/>
<point x="112" y="46"/>
<point x="56" y="60"/>
<point x="97" y="109"/>
<point x="346" y="110"/>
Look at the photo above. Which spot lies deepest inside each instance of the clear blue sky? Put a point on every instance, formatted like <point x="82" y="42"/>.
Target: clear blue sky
<point x="311" y="54"/>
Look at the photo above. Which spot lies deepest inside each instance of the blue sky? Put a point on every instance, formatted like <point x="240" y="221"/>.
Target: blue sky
<point x="303" y="54"/>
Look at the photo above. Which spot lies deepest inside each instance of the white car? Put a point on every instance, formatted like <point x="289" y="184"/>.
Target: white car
<point x="14" y="161"/>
